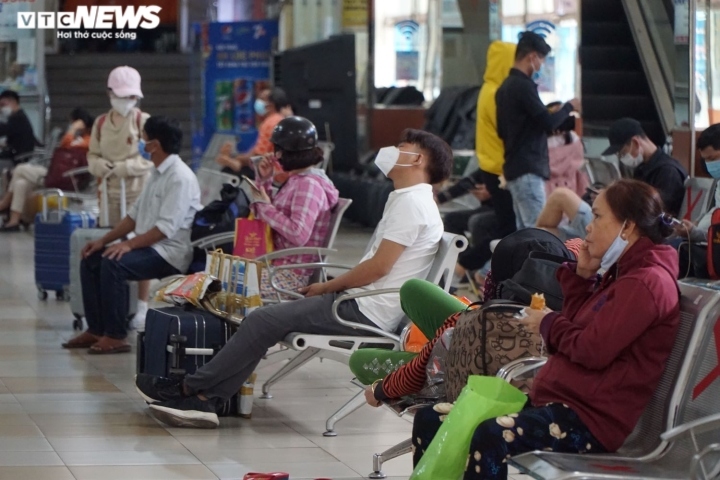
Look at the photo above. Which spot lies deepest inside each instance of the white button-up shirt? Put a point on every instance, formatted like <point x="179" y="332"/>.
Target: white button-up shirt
<point x="169" y="201"/>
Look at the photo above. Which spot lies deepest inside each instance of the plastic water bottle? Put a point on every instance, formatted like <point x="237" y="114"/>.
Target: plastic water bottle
<point x="245" y="404"/>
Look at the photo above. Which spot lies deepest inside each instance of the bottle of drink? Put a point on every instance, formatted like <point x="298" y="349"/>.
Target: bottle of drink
<point x="246" y="397"/>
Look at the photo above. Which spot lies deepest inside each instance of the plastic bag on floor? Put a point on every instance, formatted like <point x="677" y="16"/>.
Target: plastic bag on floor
<point x="481" y="399"/>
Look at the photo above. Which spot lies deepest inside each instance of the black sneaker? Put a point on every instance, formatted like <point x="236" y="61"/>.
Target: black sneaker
<point x="153" y="388"/>
<point x="186" y="412"/>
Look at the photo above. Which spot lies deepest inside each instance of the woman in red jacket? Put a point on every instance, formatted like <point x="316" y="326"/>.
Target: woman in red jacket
<point x="608" y="346"/>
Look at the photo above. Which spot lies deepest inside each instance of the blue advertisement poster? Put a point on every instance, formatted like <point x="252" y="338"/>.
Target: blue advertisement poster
<point x="237" y="59"/>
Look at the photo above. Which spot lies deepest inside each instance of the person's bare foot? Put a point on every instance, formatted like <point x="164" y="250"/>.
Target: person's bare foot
<point x="84" y="340"/>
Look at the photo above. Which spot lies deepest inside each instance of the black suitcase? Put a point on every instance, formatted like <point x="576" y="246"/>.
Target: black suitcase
<point x="179" y="340"/>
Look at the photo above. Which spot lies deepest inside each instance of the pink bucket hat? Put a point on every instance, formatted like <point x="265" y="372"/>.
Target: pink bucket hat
<point x="125" y="82"/>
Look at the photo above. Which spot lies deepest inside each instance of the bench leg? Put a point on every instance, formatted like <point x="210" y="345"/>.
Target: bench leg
<point x="300" y="359"/>
<point x="277" y="357"/>
<point x="353" y="404"/>
<point x="393" y="452"/>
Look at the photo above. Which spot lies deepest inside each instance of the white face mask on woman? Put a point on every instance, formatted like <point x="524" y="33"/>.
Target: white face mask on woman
<point x="615" y="251"/>
<point x="123" y="106"/>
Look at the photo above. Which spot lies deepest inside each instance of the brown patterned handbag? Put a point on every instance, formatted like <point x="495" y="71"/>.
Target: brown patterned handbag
<point x="486" y="339"/>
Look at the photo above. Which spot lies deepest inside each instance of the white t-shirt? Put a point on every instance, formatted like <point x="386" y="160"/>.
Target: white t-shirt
<point x="411" y="218"/>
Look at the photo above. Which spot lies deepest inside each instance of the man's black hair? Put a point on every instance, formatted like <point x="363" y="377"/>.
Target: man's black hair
<point x="166" y="131"/>
<point x="531" y="42"/>
<point x="441" y="159"/>
<point x="11" y="94"/>
<point x="710" y="138"/>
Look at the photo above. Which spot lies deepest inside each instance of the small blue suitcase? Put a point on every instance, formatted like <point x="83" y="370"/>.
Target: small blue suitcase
<point x="52" y="248"/>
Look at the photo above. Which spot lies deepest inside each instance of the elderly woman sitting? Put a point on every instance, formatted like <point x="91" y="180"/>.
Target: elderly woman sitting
<point x="608" y="345"/>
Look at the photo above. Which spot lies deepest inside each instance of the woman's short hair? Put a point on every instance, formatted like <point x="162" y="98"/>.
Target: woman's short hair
<point x="79" y="113"/>
<point x="638" y="202"/>
<point x="303" y="159"/>
<point x="279" y="98"/>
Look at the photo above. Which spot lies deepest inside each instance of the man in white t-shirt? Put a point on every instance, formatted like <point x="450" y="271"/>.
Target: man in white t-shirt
<point x="403" y="247"/>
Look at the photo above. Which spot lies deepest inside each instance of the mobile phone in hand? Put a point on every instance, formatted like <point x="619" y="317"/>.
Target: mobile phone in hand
<point x="251" y="183"/>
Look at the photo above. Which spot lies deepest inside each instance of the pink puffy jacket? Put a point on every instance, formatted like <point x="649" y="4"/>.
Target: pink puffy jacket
<point x="566" y="162"/>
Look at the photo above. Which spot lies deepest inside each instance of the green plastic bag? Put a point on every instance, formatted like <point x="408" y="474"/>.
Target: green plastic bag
<point x="481" y="399"/>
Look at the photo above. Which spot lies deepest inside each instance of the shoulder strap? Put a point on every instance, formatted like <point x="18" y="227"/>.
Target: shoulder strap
<point x="100" y="123"/>
<point x="138" y="121"/>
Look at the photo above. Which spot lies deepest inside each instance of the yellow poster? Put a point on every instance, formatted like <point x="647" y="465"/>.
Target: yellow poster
<point x="355" y="13"/>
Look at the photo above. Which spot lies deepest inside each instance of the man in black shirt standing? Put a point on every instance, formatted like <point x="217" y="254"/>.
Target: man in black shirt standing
<point x="523" y="124"/>
<point x="17" y="129"/>
<point x="653" y="166"/>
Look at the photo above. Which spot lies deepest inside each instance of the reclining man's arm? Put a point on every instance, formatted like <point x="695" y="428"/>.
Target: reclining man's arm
<point x="365" y="273"/>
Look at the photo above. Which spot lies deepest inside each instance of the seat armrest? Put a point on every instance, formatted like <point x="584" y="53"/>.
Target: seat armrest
<point x="295" y="251"/>
<point x="299" y="266"/>
<point x="359" y="326"/>
<point x="519" y="367"/>
<point x="212" y="240"/>
<point x="76" y="171"/>
<point x="702" y="425"/>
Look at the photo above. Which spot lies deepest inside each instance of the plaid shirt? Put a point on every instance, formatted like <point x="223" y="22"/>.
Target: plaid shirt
<point x="299" y="214"/>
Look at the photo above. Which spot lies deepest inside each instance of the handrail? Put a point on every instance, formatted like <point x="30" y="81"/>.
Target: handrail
<point x="654" y="63"/>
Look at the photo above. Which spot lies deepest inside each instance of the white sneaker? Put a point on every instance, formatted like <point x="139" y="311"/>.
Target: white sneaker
<point x="138" y="321"/>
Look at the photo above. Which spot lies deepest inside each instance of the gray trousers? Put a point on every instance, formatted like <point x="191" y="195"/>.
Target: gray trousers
<point x="223" y="376"/>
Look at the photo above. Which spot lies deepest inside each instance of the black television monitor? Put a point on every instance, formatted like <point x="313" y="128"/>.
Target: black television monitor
<point x="319" y="79"/>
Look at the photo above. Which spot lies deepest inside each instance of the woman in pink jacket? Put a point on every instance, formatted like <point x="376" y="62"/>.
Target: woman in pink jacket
<point x="608" y="345"/>
<point x="567" y="156"/>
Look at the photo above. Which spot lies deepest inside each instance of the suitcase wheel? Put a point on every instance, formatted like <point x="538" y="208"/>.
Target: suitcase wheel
<point x="77" y="324"/>
<point x="42" y="294"/>
<point x="62" y="296"/>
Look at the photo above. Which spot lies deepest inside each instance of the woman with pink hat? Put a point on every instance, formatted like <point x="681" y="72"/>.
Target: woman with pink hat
<point x="114" y="148"/>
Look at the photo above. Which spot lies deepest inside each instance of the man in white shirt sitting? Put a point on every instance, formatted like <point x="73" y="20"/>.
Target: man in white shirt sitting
<point x="404" y="246"/>
<point x="161" y="220"/>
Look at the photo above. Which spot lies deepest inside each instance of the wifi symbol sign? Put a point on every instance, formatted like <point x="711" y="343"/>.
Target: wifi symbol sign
<point x="406" y="33"/>
<point x="545" y="29"/>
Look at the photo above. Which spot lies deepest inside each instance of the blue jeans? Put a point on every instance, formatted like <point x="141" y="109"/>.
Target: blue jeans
<point x="528" y="192"/>
<point x="105" y="288"/>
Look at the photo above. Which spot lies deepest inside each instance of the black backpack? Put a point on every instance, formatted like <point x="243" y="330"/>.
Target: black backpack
<point x="537" y="275"/>
<point x="525" y="262"/>
<point x="218" y="217"/>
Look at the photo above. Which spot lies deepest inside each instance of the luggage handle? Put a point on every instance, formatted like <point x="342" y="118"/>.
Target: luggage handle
<point x="52" y="192"/>
<point x="104" y="214"/>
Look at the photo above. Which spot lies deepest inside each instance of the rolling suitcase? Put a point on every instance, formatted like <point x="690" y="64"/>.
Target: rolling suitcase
<point x="53" y="230"/>
<point x="79" y="239"/>
<point x="179" y="340"/>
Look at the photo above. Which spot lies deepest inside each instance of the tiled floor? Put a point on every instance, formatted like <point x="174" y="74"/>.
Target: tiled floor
<point x="67" y="415"/>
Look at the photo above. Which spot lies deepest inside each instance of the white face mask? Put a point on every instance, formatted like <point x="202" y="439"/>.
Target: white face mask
<point x="6" y="111"/>
<point x="615" y="251"/>
<point x="388" y="157"/>
<point x="123" y="105"/>
<point x="629" y="161"/>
